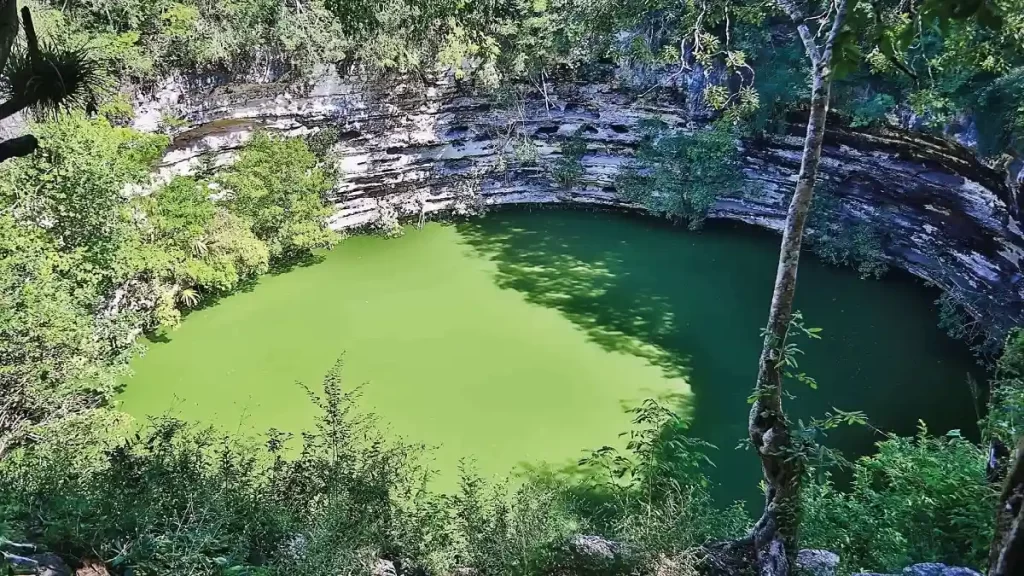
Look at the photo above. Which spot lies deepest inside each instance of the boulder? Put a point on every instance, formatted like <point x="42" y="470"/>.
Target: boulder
<point x="937" y="569"/>
<point x="817" y="563"/>
<point x="384" y="567"/>
<point x="51" y="565"/>
<point x="585" y="555"/>
<point x="596" y="547"/>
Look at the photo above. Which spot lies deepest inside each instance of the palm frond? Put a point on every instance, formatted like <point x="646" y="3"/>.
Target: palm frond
<point x="55" y="79"/>
<point x="189" y="297"/>
<point x="199" y="247"/>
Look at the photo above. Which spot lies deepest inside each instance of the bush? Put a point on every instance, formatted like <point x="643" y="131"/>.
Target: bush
<point x="922" y="499"/>
<point x="872" y="111"/>
<point x="278" y="187"/>
<point x="196" y="243"/>
<point x="568" y="169"/>
<point x="680" y="176"/>
<point x="654" y="497"/>
<point x="175" y="499"/>
<point x="1005" y="418"/>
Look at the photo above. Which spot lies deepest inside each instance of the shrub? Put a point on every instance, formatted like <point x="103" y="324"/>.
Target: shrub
<point x="1005" y="418"/>
<point x="175" y="499"/>
<point x="680" y="176"/>
<point x="194" y="242"/>
<point x="568" y="169"/>
<point x="921" y="499"/>
<point x="277" y="186"/>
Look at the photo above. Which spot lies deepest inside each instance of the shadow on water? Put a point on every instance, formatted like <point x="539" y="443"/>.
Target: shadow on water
<point x="559" y="268"/>
<point x="691" y="304"/>
<point x="593" y="281"/>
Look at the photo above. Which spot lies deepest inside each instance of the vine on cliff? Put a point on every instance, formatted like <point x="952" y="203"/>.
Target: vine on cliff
<point x="839" y="242"/>
<point x="568" y="169"/>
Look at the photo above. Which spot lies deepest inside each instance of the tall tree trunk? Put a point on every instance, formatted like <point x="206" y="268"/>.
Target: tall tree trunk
<point x="775" y="535"/>
<point x="1007" y="555"/>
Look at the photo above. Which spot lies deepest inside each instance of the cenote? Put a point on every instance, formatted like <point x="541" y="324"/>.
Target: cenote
<point x="519" y="339"/>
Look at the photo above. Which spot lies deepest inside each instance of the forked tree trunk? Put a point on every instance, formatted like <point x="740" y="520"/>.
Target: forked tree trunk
<point x="775" y="535"/>
<point x="1007" y="555"/>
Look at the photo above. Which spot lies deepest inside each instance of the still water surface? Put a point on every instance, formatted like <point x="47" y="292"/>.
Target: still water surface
<point x="518" y="340"/>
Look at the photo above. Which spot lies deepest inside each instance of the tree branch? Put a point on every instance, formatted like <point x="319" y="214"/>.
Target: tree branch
<point x="18" y="147"/>
<point x="8" y="30"/>
<point x="837" y="25"/>
<point x="12" y="107"/>
<point x="799" y="18"/>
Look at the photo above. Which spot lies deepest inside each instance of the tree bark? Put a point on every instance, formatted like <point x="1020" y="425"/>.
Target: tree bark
<point x="8" y="30"/>
<point x="18" y="147"/>
<point x="1006" y="557"/>
<point x="775" y="535"/>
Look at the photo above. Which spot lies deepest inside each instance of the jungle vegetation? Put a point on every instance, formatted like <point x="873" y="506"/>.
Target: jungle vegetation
<point x="85" y="268"/>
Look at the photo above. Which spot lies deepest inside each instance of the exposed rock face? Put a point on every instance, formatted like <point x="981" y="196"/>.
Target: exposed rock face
<point x="424" y="147"/>
<point x="817" y="563"/>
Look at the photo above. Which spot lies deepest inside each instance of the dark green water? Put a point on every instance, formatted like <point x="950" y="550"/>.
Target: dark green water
<point x="518" y="339"/>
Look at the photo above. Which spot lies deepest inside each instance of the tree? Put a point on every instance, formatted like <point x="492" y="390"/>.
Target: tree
<point x="277" y="186"/>
<point x="1007" y="554"/>
<point x="774" y="536"/>
<point x="193" y="243"/>
<point x="73" y="187"/>
<point x="53" y="364"/>
<point x="46" y="77"/>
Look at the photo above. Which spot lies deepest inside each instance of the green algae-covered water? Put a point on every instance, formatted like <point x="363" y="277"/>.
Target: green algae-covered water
<point x="519" y="339"/>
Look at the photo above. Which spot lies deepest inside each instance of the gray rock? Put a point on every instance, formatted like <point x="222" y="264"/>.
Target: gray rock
<point x="924" y="569"/>
<point x="596" y="547"/>
<point x="384" y="567"/>
<point x="937" y="569"/>
<point x="817" y="563"/>
<point x="51" y="565"/>
<point x="959" y="571"/>
<point x="585" y="555"/>
<point x="18" y="564"/>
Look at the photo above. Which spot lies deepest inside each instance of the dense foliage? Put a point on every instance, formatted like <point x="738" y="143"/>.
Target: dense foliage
<point x="87" y="262"/>
<point x="92" y="254"/>
<point x="1004" y="420"/>
<point x="278" y="188"/>
<point x="680" y="175"/>
<point x="910" y="63"/>
<point x="922" y="499"/>
<point x="176" y="499"/>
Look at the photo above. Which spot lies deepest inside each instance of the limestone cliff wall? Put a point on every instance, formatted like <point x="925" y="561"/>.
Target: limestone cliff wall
<point x="423" y="145"/>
